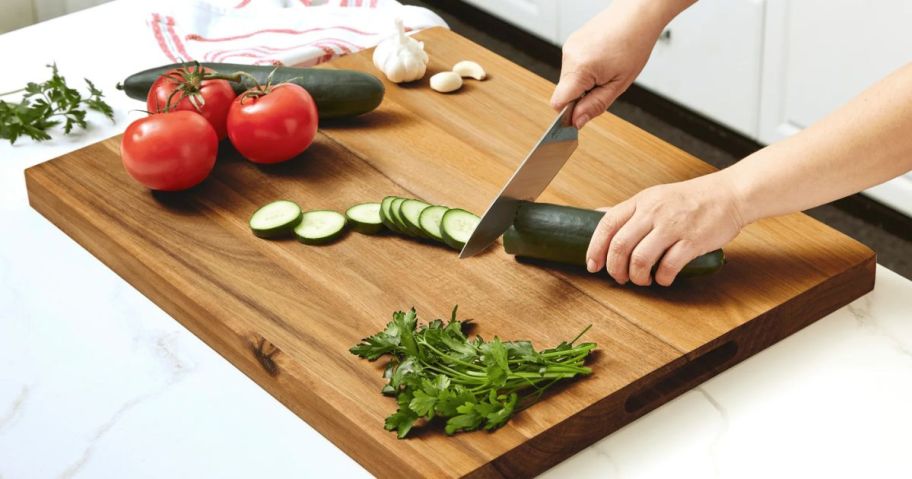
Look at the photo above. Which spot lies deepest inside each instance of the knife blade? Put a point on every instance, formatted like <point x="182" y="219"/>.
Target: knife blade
<point x="532" y="176"/>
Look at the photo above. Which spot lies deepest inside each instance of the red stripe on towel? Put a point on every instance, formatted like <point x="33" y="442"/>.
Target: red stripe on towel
<point x="156" y="30"/>
<point x="176" y="39"/>
<point x="199" y="38"/>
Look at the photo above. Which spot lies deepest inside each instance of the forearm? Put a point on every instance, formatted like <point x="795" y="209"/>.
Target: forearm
<point x="864" y="143"/>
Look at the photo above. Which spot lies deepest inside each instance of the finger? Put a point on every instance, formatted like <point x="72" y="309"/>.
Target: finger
<point x="674" y="261"/>
<point x="622" y="245"/>
<point x="646" y="254"/>
<point x="609" y="224"/>
<point x="570" y="87"/>
<point x="595" y="103"/>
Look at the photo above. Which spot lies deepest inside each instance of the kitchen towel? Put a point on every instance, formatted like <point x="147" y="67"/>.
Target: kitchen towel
<point x="277" y="32"/>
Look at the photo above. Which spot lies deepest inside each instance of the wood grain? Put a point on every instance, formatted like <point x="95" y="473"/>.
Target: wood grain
<point x="286" y="314"/>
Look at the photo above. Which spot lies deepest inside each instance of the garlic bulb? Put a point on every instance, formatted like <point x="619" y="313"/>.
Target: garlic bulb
<point x="401" y="58"/>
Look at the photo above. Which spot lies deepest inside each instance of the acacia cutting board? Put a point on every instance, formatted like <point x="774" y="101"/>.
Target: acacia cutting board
<point x="286" y="314"/>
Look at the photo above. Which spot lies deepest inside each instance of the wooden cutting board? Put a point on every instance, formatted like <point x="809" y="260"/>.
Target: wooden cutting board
<point x="286" y="313"/>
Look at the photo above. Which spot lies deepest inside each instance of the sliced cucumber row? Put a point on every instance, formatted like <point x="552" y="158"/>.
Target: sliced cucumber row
<point x="420" y="219"/>
<point x="282" y="218"/>
<point x="407" y="216"/>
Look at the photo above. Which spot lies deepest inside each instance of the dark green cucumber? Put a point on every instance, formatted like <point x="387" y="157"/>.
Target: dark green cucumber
<point x="337" y="93"/>
<point x="562" y="233"/>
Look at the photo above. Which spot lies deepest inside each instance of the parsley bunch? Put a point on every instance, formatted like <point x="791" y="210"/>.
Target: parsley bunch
<point x="46" y="105"/>
<point x="435" y="371"/>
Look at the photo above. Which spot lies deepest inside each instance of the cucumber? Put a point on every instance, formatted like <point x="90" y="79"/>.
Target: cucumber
<point x="456" y="226"/>
<point x="395" y="216"/>
<point x="365" y="218"/>
<point x="275" y="219"/>
<point x="430" y="221"/>
<point x="320" y="227"/>
<point x="410" y="211"/>
<point x="337" y="93"/>
<point x="562" y="233"/>
<point x="385" y="212"/>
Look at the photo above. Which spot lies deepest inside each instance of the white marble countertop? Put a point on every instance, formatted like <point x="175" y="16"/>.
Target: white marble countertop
<point x="96" y="381"/>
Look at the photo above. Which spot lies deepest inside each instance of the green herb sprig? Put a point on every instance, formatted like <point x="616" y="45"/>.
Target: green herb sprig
<point x="436" y="371"/>
<point x="46" y="105"/>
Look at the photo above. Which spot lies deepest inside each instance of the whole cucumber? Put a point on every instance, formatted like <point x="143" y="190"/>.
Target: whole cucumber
<point x="562" y="233"/>
<point x="337" y="93"/>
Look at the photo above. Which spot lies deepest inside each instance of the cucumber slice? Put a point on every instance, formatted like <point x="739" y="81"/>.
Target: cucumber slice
<point x="275" y="219"/>
<point x="365" y="218"/>
<point x="430" y="221"/>
<point x="457" y="226"/>
<point x="399" y="225"/>
<point x="320" y="227"/>
<point x="410" y="212"/>
<point x="385" y="212"/>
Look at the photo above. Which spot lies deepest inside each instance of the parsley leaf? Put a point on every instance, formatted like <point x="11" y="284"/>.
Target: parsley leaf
<point x="47" y="105"/>
<point x="436" y="372"/>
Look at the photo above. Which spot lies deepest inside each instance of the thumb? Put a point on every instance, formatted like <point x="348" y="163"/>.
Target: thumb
<point x="570" y="87"/>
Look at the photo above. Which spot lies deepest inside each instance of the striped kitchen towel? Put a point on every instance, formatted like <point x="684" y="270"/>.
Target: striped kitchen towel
<point x="279" y="32"/>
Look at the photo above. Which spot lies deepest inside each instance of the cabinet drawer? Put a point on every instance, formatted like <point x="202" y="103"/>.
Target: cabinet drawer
<point x="538" y="17"/>
<point x="709" y="59"/>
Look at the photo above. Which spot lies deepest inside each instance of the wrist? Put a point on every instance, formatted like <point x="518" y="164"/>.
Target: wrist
<point x="740" y="193"/>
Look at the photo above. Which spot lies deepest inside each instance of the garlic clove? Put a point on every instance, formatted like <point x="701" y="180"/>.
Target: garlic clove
<point x="445" y="82"/>
<point x="469" y="69"/>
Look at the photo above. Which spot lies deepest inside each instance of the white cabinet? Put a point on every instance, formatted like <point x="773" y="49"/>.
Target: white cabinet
<point x="539" y="17"/>
<point x="709" y="60"/>
<point x="821" y="53"/>
<point x="16" y="14"/>
<point x="22" y="13"/>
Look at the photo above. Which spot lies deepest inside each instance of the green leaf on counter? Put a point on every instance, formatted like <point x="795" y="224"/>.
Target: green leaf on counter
<point x="47" y="105"/>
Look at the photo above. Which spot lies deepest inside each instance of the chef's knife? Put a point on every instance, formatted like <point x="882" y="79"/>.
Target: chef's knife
<point x="532" y="176"/>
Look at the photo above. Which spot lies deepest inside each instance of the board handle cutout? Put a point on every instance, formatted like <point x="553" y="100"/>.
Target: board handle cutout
<point x="682" y="379"/>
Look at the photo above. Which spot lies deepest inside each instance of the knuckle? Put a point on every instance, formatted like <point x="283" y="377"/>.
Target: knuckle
<point x="619" y="246"/>
<point x="639" y="261"/>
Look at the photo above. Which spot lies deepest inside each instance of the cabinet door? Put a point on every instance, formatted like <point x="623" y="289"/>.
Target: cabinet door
<point x="821" y="53"/>
<point x="16" y="14"/>
<point x="709" y="59"/>
<point x="538" y="17"/>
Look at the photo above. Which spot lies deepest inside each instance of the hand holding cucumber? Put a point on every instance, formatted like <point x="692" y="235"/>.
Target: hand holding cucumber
<point x="665" y="226"/>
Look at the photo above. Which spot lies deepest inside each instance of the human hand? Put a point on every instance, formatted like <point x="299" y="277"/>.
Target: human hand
<point x="603" y="58"/>
<point x="671" y="223"/>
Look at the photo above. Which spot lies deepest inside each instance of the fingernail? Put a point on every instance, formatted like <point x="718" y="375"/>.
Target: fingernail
<point x="582" y="121"/>
<point x="590" y="265"/>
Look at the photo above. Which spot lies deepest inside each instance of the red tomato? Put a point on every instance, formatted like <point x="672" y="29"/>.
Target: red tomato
<point x="212" y="97"/>
<point x="169" y="151"/>
<point x="274" y="126"/>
